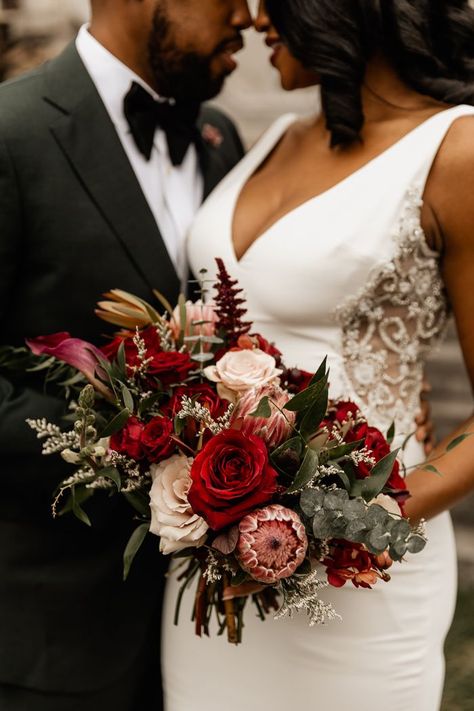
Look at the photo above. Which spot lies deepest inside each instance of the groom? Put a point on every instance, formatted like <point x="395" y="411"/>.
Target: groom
<point x="99" y="181"/>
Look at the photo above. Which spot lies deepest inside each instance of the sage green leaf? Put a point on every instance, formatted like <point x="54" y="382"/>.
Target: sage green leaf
<point x="77" y="509"/>
<point x="456" y="442"/>
<point x="133" y="546"/>
<point x="127" y="399"/>
<point x="416" y="543"/>
<point x="306" y="473"/>
<point x="116" y="424"/>
<point x="113" y="474"/>
<point x="430" y="468"/>
<point x="202" y="357"/>
<point x="263" y="410"/>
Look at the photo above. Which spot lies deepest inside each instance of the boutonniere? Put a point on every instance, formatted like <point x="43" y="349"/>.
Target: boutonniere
<point x="212" y="135"/>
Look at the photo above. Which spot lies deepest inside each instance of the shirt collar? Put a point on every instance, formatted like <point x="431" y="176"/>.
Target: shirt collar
<point x="111" y="76"/>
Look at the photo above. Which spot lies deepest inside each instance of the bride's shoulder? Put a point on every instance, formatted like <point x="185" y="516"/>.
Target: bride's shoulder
<point x="450" y="187"/>
<point x="455" y="158"/>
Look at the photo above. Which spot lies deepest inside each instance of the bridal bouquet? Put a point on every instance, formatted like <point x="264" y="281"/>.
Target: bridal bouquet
<point x="262" y="489"/>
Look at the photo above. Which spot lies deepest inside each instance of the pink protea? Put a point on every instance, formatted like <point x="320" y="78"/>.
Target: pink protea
<point x="274" y="429"/>
<point x="195" y="313"/>
<point x="272" y="543"/>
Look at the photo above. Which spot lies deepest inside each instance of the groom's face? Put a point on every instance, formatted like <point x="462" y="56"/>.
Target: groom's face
<point x="192" y="43"/>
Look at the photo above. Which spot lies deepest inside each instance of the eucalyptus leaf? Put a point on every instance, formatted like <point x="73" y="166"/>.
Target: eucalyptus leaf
<point x="133" y="546"/>
<point x="115" y="425"/>
<point x="202" y="357"/>
<point x="306" y="473"/>
<point x="77" y="509"/>
<point x="312" y="501"/>
<point x="430" y="468"/>
<point x="457" y="441"/>
<point x="416" y="543"/>
<point x="127" y="398"/>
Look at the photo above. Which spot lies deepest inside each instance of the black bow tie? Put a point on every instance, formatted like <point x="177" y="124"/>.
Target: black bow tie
<point x="178" y="121"/>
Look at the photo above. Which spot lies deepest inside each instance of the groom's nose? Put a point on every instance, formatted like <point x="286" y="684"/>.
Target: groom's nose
<point x="241" y="17"/>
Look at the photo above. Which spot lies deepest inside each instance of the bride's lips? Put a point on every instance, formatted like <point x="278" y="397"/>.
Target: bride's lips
<point x="227" y="53"/>
<point x="276" y="45"/>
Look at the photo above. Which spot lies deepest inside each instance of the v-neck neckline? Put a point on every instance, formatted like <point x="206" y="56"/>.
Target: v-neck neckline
<point x="270" y="142"/>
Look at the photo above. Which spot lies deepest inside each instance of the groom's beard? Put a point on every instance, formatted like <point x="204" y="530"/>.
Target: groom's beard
<point x="180" y="74"/>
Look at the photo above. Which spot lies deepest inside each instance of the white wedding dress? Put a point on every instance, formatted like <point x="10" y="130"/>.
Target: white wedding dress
<point x="348" y="274"/>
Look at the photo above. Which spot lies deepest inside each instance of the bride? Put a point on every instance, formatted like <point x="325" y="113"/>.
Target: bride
<point x="351" y="234"/>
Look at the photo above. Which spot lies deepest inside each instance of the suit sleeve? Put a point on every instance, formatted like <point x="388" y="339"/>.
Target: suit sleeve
<point x="17" y="402"/>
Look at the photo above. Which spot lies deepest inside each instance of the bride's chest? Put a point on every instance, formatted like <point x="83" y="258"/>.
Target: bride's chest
<point x="306" y="263"/>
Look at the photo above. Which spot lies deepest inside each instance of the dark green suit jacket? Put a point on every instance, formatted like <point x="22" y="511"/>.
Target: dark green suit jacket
<point x="73" y="224"/>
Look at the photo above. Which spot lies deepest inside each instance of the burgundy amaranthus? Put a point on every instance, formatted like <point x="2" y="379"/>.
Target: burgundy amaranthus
<point x="229" y="309"/>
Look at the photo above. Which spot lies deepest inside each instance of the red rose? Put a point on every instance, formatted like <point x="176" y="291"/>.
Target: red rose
<point x="129" y="440"/>
<point x="170" y="366"/>
<point x="156" y="439"/>
<point x="295" y="380"/>
<point x="351" y="561"/>
<point x="375" y="444"/>
<point x="231" y="477"/>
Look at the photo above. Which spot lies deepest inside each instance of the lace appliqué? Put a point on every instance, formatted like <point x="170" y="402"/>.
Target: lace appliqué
<point x="392" y="324"/>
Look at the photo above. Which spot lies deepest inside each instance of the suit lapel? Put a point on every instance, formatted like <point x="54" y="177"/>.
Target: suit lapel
<point x="89" y="140"/>
<point x="213" y="165"/>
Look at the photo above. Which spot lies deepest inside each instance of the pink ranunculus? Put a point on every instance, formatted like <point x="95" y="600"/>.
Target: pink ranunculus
<point x="195" y="313"/>
<point x="272" y="543"/>
<point x="81" y="355"/>
<point x="274" y="429"/>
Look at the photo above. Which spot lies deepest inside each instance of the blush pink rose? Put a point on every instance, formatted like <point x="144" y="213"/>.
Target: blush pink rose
<point x="239" y="371"/>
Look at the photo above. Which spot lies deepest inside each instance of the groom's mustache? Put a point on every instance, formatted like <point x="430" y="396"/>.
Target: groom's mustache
<point x="231" y="45"/>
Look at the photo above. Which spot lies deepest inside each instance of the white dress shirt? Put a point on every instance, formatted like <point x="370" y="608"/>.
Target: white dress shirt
<point x="174" y="193"/>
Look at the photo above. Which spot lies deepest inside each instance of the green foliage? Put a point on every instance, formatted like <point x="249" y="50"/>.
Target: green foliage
<point x="306" y="473"/>
<point x="135" y="543"/>
<point x="264" y="408"/>
<point x="116" y="424"/>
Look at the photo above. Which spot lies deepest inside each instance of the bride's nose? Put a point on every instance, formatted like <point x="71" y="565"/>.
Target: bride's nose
<point x="262" y="21"/>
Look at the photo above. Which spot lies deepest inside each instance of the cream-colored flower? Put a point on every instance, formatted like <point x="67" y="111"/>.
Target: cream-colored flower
<point x="388" y="503"/>
<point x="172" y="517"/>
<point x="240" y="371"/>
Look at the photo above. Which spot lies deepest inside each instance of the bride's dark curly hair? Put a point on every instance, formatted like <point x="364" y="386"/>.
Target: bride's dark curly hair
<point x="430" y="43"/>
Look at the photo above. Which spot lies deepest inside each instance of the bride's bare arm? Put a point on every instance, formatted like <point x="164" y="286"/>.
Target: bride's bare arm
<point x="451" y="196"/>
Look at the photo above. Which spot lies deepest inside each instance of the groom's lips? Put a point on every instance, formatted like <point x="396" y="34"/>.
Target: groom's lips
<point x="228" y="49"/>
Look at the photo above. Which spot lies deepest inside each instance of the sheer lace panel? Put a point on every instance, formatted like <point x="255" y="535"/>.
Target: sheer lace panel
<point x="389" y="327"/>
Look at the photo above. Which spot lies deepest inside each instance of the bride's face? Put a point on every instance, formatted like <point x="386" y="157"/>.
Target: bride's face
<point x="292" y="73"/>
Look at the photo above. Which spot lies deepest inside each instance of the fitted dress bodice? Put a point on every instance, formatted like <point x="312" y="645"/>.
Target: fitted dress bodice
<point x="348" y="274"/>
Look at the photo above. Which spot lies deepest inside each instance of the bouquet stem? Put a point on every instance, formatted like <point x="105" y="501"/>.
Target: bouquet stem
<point x="229" y="607"/>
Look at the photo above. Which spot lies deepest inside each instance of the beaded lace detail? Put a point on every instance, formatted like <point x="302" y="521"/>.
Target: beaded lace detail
<point x="392" y="323"/>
